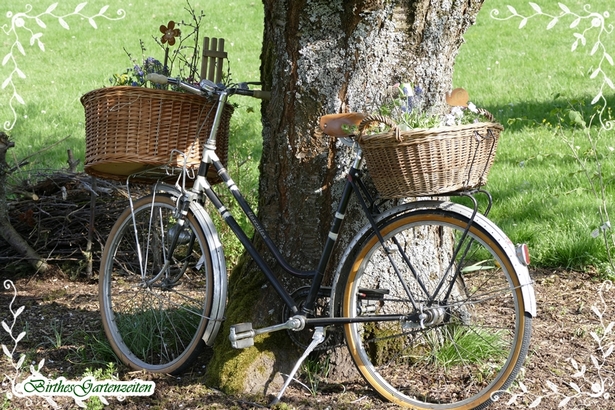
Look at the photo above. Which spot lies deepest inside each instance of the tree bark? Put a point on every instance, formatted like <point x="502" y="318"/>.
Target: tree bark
<point x="7" y="231"/>
<point x="323" y="57"/>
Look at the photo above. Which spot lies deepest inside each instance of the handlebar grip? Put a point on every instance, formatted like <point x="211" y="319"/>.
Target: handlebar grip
<point x="263" y="95"/>
<point x="157" y="78"/>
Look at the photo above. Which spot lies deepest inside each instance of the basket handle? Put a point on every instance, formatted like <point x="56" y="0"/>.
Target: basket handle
<point x="381" y="119"/>
<point x="486" y="114"/>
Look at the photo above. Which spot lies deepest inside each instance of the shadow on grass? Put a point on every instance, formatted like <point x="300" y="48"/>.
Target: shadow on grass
<point x="518" y="115"/>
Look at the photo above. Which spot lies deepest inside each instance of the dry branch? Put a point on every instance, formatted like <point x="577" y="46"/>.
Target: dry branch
<point x="54" y="215"/>
<point x="7" y="231"/>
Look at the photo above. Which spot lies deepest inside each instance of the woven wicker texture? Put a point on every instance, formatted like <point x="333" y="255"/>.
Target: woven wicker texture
<point x="423" y="162"/>
<point x="130" y="129"/>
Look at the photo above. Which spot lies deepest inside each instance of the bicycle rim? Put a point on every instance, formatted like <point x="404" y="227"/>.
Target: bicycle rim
<point x="155" y="325"/>
<point x="474" y="334"/>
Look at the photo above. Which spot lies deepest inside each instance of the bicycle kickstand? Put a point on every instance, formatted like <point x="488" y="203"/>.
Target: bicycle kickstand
<point x="317" y="338"/>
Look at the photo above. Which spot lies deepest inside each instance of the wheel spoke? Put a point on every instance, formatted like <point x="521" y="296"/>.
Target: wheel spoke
<point x="468" y="333"/>
<point x="155" y="304"/>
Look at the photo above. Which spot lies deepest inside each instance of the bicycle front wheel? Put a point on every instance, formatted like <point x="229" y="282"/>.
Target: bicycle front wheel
<point x="449" y="326"/>
<point x="155" y="304"/>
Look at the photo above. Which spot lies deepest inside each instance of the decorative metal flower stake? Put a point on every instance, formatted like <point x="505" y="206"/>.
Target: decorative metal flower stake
<point x="169" y="32"/>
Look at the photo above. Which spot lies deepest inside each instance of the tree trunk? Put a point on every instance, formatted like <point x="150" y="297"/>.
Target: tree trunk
<point x="324" y="57"/>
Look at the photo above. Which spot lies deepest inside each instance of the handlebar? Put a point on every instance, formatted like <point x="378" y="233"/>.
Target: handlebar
<point x="209" y="87"/>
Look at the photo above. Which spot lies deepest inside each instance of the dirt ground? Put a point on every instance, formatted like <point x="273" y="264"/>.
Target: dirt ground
<point x="568" y="360"/>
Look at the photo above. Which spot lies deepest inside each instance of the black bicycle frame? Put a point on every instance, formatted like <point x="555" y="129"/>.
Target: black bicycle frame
<point x="315" y="275"/>
<point x="353" y="184"/>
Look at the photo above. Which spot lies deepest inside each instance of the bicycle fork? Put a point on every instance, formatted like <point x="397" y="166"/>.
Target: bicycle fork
<point x="174" y="236"/>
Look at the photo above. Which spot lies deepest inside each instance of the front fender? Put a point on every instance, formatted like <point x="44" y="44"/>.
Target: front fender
<point x="217" y="261"/>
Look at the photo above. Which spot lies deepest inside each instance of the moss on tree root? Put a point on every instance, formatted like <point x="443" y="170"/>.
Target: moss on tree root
<point x="248" y="370"/>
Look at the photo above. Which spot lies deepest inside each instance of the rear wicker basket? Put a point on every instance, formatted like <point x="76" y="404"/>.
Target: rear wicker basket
<point x="132" y="129"/>
<point x="423" y="162"/>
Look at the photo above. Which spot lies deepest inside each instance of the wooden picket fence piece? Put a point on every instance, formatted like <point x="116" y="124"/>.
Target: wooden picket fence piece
<point x="213" y="59"/>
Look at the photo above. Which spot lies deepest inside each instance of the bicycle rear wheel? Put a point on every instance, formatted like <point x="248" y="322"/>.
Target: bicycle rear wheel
<point x="155" y="305"/>
<point x="466" y="335"/>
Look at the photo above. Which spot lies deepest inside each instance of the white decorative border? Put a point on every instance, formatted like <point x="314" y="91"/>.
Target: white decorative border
<point x="15" y="391"/>
<point x="38" y="385"/>
<point x="18" y="26"/>
<point x="582" y="24"/>
<point x="591" y="381"/>
<point x="587" y="385"/>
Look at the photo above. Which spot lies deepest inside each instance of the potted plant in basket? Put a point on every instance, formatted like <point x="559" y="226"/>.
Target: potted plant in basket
<point x="412" y="152"/>
<point x="141" y="132"/>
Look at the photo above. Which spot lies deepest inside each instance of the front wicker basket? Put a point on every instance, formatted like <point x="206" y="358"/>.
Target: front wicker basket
<point x="132" y="129"/>
<point x="423" y="162"/>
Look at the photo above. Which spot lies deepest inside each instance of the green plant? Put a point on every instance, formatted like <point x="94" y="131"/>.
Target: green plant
<point x="314" y="371"/>
<point x="93" y="348"/>
<point x="6" y="404"/>
<point x="55" y="339"/>
<point x="143" y="328"/>
<point x="108" y="373"/>
<point x="467" y="345"/>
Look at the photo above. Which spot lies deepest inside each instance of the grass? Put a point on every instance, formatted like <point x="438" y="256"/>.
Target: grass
<point x="462" y="345"/>
<point x="528" y="78"/>
<point x="314" y="371"/>
<point x="82" y="59"/>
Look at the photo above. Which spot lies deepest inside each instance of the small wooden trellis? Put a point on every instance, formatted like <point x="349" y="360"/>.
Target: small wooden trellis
<point x="213" y="59"/>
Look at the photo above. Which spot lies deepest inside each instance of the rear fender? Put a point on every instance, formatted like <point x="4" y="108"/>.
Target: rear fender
<point x="525" y="281"/>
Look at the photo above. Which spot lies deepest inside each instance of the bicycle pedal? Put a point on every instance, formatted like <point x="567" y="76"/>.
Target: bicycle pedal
<point x="241" y="335"/>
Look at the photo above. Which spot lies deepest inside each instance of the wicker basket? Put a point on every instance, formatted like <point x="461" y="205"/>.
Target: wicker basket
<point x="132" y="129"/>
<point x="423" y="162"/>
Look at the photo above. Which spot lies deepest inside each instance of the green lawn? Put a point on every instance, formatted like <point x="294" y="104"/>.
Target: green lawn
<point x="529" y="78"/>
<point x="82" y="58"/>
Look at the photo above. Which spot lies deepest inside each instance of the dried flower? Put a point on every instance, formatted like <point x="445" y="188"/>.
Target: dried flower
<point x="180" y="62"/>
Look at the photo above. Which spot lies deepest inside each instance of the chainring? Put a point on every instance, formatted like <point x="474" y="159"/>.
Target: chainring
<point x="333" y="335"/>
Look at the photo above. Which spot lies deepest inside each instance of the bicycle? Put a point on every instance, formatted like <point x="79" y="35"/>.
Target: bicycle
<point x="431" y="321"/>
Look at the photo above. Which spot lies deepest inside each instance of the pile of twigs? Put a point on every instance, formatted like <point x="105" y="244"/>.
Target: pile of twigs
<point x="65" y="217"/>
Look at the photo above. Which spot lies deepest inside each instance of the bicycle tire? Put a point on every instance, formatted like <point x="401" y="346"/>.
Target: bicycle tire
<point x="157" y="328"/>
<point x="473" y="341"/>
